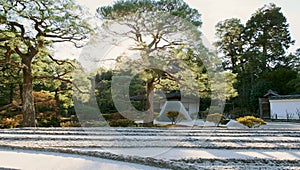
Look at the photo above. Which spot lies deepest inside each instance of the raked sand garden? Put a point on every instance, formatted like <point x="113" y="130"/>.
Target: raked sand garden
<point x="272" y="146"/>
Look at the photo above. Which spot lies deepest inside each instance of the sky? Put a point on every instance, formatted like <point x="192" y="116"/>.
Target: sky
<point x="213" y="11"/>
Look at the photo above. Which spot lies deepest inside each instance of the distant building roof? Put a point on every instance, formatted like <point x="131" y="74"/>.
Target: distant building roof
<point x="168" y="96"/>
<point x="172" y="95"/>
<point x="296" y="96"/>
<point x="271" y="93"/>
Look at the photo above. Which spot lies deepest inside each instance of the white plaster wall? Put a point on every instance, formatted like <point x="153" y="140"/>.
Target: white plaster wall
<point x="281" y="107"/>
<point x="194" y="108"/>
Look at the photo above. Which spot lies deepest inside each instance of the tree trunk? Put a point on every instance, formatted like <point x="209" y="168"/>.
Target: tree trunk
<point x="11" y="93"/>
<point x="57" y="101"/>
<point x="265" y="53"/>
<point x="21" y="92"/>
<point x="148" y="119"/>
<point x="28" y="101"/>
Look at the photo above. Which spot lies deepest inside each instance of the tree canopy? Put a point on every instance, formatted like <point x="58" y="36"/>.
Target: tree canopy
<point x="166" y="38"/>
<point x="29" y="29"/>
<point x="257" y="51"/>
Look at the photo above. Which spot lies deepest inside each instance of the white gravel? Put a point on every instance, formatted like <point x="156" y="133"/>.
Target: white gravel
<point x="37" y="160"/>
<point x="186" y="153"/>
<point x="274" y="146"/>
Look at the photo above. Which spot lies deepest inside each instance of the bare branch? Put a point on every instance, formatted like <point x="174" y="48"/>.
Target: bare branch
<point x="62" y="37"/>
<point x="166" y="46"/>
<point x="13" y="63"/>
<point x="4" y="39"/>
<point x="68" y="40"/>
<point x="60" y="62"/>
<point x="20" y="26"/>
<point x="8" y="60"/>
<point x="11" y="105"/>
<point x="19" y="52"/>
<point x="63" y="80"/>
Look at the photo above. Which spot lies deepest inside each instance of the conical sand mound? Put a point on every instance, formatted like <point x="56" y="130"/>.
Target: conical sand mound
<point x="173" y="106"/>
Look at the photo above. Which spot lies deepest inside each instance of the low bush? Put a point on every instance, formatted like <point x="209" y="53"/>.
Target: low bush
<point x="10" y="123"/>
<point x="116" y="116"/>
<point x="113" y="120"/>
<point x="106" y="116"/>
<point x="173" y="115"/>
<point x="216" y="118"/>
<point x="70" y="124"/>
<point x="121" y="123"/>
<point x="251" y="121"/>
<point x="113" y="116"/>
<point x="47" y="119"/>
<point x="238" y="112"/>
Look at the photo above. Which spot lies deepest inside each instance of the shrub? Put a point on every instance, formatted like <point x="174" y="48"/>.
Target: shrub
<point x="43" y="101"/>
<point x="114" y="120"/>
<point x="251" y="121"/>
<point x="237" y="112"/>
<point x="47" y="119"/>
<point x="216" y="118"/>
<point x="172" y="115"/>
<point x="70" y="124"/>
<point x="113" y="116"/>
<point x="116" y="116"/>
<point x="121" y="123"/>
<point x="10" y="122"/>
<point x="106" y="116"/>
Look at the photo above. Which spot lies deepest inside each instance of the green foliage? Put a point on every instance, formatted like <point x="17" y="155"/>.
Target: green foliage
<point x="157" y="21"/>
<point x="173" y="115"/>
<point x="180" y="9"/>
<point x="10" y="80"/>
<point x="251" y="121"/>
<point x="294" y="63"/>
<point x="174" y="7"/>
<point x="28" y="29"/>
<point x="230" y="42"/>
<point x="279" y="79"/>
<point x="238" y="112"/>
<point x="82" y="90"/>
<point x="117" y="120"/>
<point x="295" y="84"/>
<point x="167" y="64"/>
<point x="268" y="30"/>
<point x="121" y="123"/>
<point x="47" y="119"/>
<point x="216" y="118"/>
<point x="104" y="96"/>
<point x="56" y="79"/>
<point x="45" y="107"/>
<point x="256" y="52"/>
